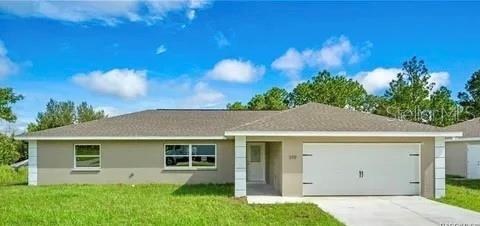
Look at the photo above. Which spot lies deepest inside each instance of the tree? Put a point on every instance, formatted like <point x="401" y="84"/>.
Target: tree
<point x="86" y="113"/>
<point x="236" y="106"/>
<point x="276" y="99"/>
<point x="62" y="113"/>
<point x="58" y="113"/>
<point x="8" y="150"/>
<point x="444" y="109"/>
<point x="325" y="88"/>
<point x="7" y="99"/>
<point x="273" y="99"/>
<point x="257" y="103"/>
<point x="470" y="100"/>
<point x="301" y="94"/>
<point x="408" y="95"/>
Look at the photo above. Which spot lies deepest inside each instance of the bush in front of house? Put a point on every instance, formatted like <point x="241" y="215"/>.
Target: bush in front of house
<point x="10" y="176"/>
<point x="8" y="150"/>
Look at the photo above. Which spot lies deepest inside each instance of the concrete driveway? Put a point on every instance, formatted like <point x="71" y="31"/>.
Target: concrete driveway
<point x="386" y="210"/>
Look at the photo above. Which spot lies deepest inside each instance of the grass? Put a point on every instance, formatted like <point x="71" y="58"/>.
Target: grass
<point x="145" y="205"/>
<point x="9" y="176"/>
<point x="463" y="193"/>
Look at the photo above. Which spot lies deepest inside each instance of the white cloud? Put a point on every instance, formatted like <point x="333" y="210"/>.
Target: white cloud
<point x="335" y="53"/>
<point x="291" y="63"/>
<point x="161" y="49"/>
<point x="378" y="79"/>
<point x="221" y="40"/>
<point x="124" y="83"/>
<point x="203" y="97"/>
<point x="440" y="79"/>
<point x="191" y="14"/>
<point x="7" y="66"/>
<point x="110" y="111"/>
<point x="233" y="70"/>
<point x="107" y="12"/>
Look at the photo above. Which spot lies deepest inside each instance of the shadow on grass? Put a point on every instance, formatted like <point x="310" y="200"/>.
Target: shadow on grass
<point x="22" y="183"/>
<point x="472" y="184"/>
<point x="204" y="190"/>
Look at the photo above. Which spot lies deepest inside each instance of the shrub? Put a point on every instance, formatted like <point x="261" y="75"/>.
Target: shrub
<point x="8" y="150"/>
<point x="10" y="176"/>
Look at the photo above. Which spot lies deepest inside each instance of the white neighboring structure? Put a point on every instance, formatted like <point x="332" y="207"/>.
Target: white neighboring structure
<point x="463" y="154"/>
<point x="463" y="159"/>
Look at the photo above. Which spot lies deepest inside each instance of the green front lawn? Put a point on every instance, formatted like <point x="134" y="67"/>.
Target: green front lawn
<point x="463" y="193"/>
<point x="146" y="205"/>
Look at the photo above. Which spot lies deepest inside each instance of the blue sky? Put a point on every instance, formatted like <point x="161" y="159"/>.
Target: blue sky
<point x="130" y="56"/>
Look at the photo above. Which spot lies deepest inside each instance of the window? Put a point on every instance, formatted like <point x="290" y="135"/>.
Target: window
<point x="255" y="151"/>
<point x="177" y="156"/>
<point x="190" y="156"/>
<point x="87" y="156"/>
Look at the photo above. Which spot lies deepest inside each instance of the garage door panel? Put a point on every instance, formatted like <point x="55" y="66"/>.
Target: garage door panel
<point x="334" y="169"/>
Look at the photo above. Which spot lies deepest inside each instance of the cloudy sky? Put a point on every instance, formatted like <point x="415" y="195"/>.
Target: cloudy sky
<point x="126" y="56"/>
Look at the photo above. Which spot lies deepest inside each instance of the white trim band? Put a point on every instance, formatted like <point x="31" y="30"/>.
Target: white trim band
<point x="343" y="134"/>
<point x="126" y="138"/>
<point x="460" y="139"/>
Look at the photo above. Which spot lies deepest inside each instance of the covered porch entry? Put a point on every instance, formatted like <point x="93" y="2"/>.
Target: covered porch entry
<point x="258" y="168"/>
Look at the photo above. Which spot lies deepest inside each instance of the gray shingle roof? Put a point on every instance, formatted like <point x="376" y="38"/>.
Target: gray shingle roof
<point x="470" y="128"/>
<point x="164" y="123"/>
<point x="158" y="123"/>
<point x="321" y="117"/>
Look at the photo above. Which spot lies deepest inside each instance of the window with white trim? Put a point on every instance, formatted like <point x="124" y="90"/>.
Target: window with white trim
<point x="87" y="156"/>
<point x="190" y="156"/>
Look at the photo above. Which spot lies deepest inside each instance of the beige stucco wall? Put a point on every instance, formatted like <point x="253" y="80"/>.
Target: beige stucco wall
<point x="143" y="162"/>
<point x="292" y="159"/>
<point x="274" y="165"/>
<point x="129" y="162"/>
<point x="456" y="158"/>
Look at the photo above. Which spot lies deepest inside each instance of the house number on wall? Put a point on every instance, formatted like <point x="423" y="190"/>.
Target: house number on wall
<point x="292" y="157"/>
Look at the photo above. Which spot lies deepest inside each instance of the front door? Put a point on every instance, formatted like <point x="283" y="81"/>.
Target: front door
<point x="256" y="163"/>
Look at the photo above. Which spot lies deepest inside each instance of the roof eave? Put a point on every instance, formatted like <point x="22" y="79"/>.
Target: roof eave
<point x="344" y="133"/>
<point x="462" y="139"/>
<point x="27" y="138"/>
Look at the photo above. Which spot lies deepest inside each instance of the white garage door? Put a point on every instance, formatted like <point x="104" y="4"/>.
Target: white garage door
<point x="360" y="169"/>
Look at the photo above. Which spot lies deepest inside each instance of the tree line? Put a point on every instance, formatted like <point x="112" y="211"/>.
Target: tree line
<point x="410" y="96"/>
<point x="56" y="114"/>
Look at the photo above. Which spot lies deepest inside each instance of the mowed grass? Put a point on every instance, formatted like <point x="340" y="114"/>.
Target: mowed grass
<point x="463" y="193"/>
<point x="146" y="205"/>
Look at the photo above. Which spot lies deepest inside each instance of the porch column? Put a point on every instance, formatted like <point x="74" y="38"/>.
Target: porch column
<point x="439" y="167"/>
<point x="240" y="166"/>
<point x="32" y="162"/>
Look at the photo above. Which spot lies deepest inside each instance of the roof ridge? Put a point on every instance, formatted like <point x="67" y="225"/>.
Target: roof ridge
<point x="408" y="122"/>
<point x="384" y="117"/>
<point x="269" y="116"/>
<point x="210" y="109"/>
<point x="87" y="122"/>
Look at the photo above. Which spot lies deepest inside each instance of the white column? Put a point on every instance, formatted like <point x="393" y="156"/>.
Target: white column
<point x="240" y="166"/>
<point x="32" y="162"/>
<point x="439" y="167"/>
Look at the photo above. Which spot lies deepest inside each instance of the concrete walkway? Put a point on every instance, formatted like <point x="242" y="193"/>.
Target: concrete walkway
<point x="384" y="210"/>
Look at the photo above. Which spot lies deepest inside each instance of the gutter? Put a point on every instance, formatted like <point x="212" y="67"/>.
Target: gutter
<point x="343" y="134"/>
<point x="27" y="138"/>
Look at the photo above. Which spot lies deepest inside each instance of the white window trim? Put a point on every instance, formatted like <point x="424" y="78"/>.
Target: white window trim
<point x="190" y="167"/>
<point x="75" y="167"/>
